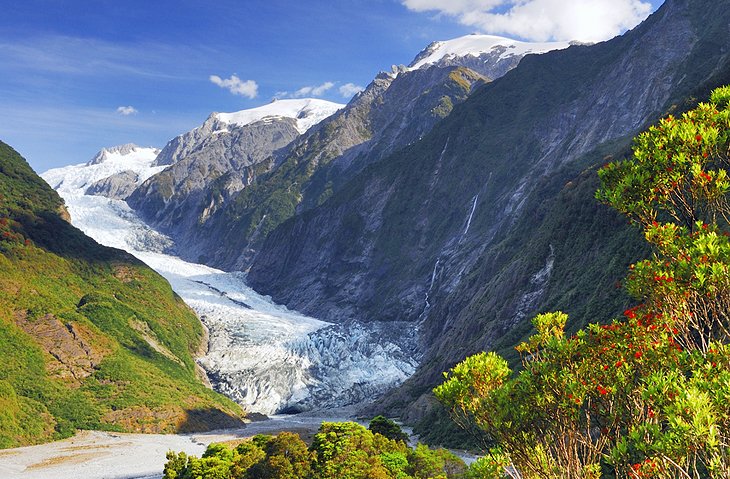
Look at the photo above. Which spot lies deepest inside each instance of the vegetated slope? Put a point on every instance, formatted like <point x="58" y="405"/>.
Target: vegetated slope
<point x="491" y="217"/>
<point x="90" y="337"/>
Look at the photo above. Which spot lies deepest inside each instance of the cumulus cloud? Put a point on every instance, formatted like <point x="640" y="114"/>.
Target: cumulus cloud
<point x="543" y="20"/>
<point x="348" y="90"/>
<point x="317" y="90"/>
<point x="127" y="110"/>
<point x="235" y="85"/>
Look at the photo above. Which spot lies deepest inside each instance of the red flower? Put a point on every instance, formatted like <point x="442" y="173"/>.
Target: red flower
<point x="638" y="354"/>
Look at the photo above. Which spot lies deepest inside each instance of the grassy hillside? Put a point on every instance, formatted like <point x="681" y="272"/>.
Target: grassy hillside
<point x="90" y="337"/>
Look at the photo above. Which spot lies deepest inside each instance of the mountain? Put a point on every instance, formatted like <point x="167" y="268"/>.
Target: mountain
<point x="90" y="337"/>
<point x="113" y="172"/>
<point x="490" y="217"/>
<point x="203" y="168"/>
<point x="239" y="186"/>
<point x="300" y="114"/>
<point x="396" y="109"/>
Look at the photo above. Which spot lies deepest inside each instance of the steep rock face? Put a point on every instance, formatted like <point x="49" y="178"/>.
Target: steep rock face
<point x="302" y="114"/>
<point x="181" y="197"/>
<point x="117" y="186"/>
<point x="396" y="109"/>
<point x="210" y="164"/>
<point x="460" y="233"/>
<point x="234" y="212"/>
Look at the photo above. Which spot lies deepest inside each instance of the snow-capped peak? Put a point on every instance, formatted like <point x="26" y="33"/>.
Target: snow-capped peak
<point x="476" y="45"/>
<point x="109" y="161"/>
<point x="306" y="111"/>
<point x="117" y="151"/>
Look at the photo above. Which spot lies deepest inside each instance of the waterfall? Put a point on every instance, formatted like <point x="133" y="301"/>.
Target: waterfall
<point x="433" y="276"/>
<point x="471" y="215"/>
<point x="427" y="305"/>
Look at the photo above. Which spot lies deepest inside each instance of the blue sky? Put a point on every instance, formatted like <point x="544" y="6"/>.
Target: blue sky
<point x="78" y="75"/>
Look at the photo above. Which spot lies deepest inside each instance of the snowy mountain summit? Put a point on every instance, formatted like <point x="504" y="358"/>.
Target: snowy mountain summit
<point x="116" y="152"/>
<point x="306" y="111"/>
<point x="480" y="52"/>
<point x="119" y="168"/>
<point x="289" y="117"/>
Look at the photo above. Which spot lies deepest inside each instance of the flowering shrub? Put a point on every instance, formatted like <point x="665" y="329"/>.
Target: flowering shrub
<point x="647" y="395"/>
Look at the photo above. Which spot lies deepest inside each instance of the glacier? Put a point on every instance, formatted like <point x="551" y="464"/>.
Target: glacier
<point x="264" y="356"/>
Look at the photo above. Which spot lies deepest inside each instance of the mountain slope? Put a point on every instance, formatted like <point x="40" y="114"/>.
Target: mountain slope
<point x="394" y="110"/>
<point x="113" y="172"/>
<point x="240" y="204"/>
<point x="397" y="109"/>
<point x="488" y="220"/>
<point x="487" y="54"/>
<point x="90" y="337"/>
<point x="210" y="164"/>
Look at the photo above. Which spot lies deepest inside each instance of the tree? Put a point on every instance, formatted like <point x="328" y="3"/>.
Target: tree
<point x="648" y="395"/>
<point x="286" y="457"/>
<point x="675" y="187"/>
<point x="388" y="428"/>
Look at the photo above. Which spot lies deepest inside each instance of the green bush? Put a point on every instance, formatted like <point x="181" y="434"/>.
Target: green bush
<point x="339" y="450"/>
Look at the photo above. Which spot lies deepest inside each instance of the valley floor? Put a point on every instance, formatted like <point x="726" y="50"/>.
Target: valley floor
<point x="112" y="455"/>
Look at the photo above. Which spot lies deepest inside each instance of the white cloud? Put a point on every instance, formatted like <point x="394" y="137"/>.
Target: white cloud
<point x="348" y="90"/>
<point x="127" y="110"/>
<point x="236" y="86"/>
<point x="543" y="20"/>
<point x="318" y="90"/>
